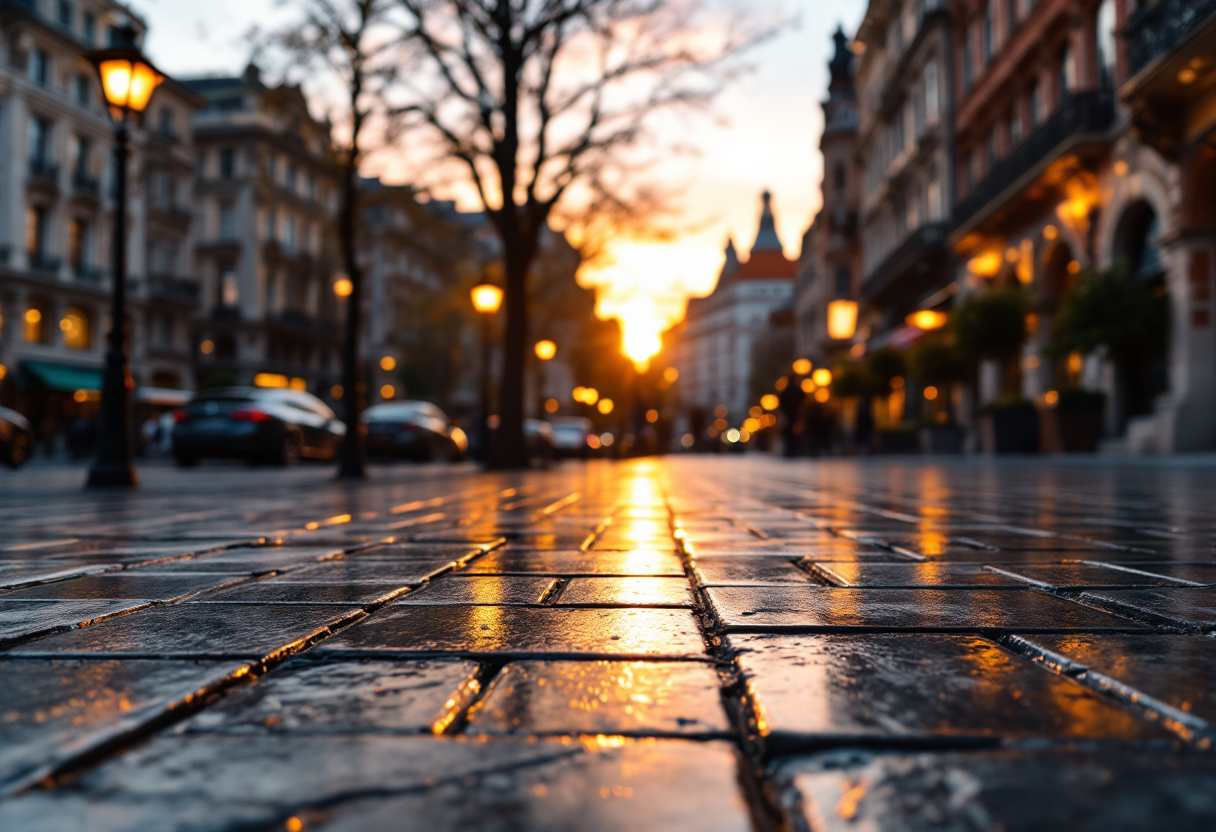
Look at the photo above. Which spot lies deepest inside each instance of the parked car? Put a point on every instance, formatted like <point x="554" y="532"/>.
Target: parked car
<point x="413" y="430"/>
<point x="258" y="424"/>
<point x="539" y="436"/>
<point x="16" y="438"/>
<point x="570" y="437"/>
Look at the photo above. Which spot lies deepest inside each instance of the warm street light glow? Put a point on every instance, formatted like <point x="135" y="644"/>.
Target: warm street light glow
<point x="545" y="350"/>
<point x="671" y="375"/>
<point x="298" y="384"/>
<point x="822" y="395"/>
<point x="987" y="264"/>
<point x="207" y="347"/>
<point x="33" y="316"/>
<point x="842" y="319"/>
<point x="732" y="436"/>
<point x="808" y="385"/>
<point x="822" y="377"/>
<point x="1076" y="362"/>
<point x="577" y="393"/>
<point x="551" y="405"/>
<point x="336" y="391"/>
<point x="128" y="84"/>
<point x="486" y="298"/>
<point x="605" y="406"/>
<point x="769" y="402"/>
<point x="652" y="416"/>
<point x="343" y="287"/>
<point x="388" y="391"/>
<point x="270" y="380"/>
<point x="388" y="363"/>
<point x="590" y="395"/>
<point x="751" y="425"/>
<point x="1050" y="232"/>
<point x="802" y="366"/>
<point x="930" y="393"/>
<point x="721" y="410"/>
<point x="782" y="383"/>
<point x="927" y="319"/>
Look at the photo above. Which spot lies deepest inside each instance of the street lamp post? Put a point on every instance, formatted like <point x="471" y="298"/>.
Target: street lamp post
<point x="486" y="299"/>
<point x="128" y="80"/>
<point x="545" y="350"/>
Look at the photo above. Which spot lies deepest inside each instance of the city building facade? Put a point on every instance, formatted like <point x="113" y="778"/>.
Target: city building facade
<point x="830" y="263"/>
<point x="1085" y="140"/>
<point x="56" y="214"/>
<point x="906" y="151"/>
<point x="266" y="185"/>
<point x="712" y="350"/>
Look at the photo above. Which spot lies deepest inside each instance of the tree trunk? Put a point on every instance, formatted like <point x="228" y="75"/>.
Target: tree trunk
<point x="510" y="445"/>
<point x="351" y="462"/>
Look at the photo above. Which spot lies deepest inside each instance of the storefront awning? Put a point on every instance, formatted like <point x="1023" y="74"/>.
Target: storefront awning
<point x="64" y="378"/>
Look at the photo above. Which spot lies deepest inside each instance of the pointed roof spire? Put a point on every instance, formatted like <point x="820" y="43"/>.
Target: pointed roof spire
<point x="841" y="65"/>
<point x="766" y="236"/>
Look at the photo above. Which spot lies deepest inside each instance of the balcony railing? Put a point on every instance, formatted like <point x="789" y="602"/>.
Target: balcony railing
<point x="40" y="261"/>
<point x="89" y="274"/>
<point x="925" y="242"/>
<point x="44" y="170"/>
<point x="1088" y="112"/>
<point x="1158" y="28"/>
<point x="175" y="288"/>
<point x="86" y="185"/>
<point x="300" y="320"/>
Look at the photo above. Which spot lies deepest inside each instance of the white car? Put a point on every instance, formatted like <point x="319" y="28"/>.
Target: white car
<point x="570" y="437"/>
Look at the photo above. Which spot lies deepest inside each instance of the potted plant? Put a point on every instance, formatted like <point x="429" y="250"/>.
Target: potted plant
<point x="936" y="363"/>
<point x="993" y="326"/>
<point x="1074" y="421"/>
<point x="1128" y="316"/>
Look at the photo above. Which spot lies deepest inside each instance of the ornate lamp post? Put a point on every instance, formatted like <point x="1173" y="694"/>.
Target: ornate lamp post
<point x="486" y="299"/>
<point x="128" y="80"/>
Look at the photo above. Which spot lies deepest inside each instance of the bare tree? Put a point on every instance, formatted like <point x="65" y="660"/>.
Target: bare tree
<point x="543" y="105"/>
<point x="354" y="45"/>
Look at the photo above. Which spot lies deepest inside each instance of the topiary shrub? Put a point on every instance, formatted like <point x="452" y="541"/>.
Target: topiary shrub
<point x="992" y="325"/>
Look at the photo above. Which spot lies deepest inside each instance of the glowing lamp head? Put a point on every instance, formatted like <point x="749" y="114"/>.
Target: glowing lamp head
<point x="927" y="319"/>
<point x="802" y="366"/>
<point x="128" y="79"/>
<point x="769" y="402"/>
<point x="545" y="350"/>
<point x="486" y="298"/>
<point x="842" y="319"/>
<point x="343" y="287"/>
<point x="822" y="377"/>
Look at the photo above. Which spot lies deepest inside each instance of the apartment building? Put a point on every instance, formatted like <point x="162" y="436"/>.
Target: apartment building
<point x="830" y="264"/>
<point x="906" y="151"/>
<point x="266" y="193"/>
<point x="56" y="212"/>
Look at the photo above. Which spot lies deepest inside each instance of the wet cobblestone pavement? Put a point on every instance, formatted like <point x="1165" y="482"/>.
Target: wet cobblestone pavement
<point x="680" y="644"/>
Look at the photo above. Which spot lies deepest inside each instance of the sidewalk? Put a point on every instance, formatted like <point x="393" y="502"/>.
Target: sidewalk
<point x="678" y="644"/>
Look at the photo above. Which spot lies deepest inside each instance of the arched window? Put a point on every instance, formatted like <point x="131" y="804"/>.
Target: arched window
<point x="77" y="334"/>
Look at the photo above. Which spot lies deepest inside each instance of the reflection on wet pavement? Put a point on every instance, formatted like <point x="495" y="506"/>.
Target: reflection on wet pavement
<point x="685" y="643"/>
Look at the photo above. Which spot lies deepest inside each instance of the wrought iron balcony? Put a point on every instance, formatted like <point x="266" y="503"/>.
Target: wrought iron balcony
<point x="44" y="170"/>
<point x="89" y="274"/>
<point x="40" y="261"/>
<point x="1156" y="29"/>
<point x="1090" y="112"/>
<point x="925" y="245"/>
<point x="174" y="288"/>
<point x="86" y="185"/>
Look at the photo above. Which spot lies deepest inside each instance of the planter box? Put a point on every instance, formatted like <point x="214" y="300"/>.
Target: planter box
<point x="942" y="440"/>
<point x="1071" y="431"/>
<point x="1010" y="432"/>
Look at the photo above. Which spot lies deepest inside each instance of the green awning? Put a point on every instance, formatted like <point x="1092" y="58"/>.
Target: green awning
<point x="65" y="378"/>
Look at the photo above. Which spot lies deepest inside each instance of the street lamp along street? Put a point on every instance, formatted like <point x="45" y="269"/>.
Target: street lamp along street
<point x="128" y="80"/>
<point x="486" y="299"/>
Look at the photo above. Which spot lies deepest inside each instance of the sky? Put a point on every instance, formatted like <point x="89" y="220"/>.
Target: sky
<point x="763" y="132"/>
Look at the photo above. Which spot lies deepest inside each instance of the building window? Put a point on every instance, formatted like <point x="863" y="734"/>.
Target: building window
<point x="289" y="177"/>
<point x="35" y="331"/>
<point x="968" y="54"/>
<point x="67" y="14"/>
<point x="227" y="222"/>
<point x="289" y="234"/>
<point x="932" y="101"/>
<point x="1067" y="73"/>
<point x="35" y="233"/>
<point x="82" y="150"/>
<point x="933" y="201"/>
<point x="88" y="28"/>
<point x="77" y="333"/>
<point x="83" y="90"/>
<point x="987" y="32"/>
<point x="230" y="291"/>
<point x="227" y="163"/>
<point x="270" y="167"/>
<point x="39" y="141"/>
<point x="272" y="225"/>
<point x="78" y="245"/>
<point x="1015" y="125"/>
<point x="1106" y="44"/>
<point x="1037" y="105"/>
<point x="164" y="331"/>
<point x="844" y="280"/>
<point x="1011" y="18"/>
<point x="839" y="178"/>
<point x="166" y="123"/>
<point x="40" y="68"/>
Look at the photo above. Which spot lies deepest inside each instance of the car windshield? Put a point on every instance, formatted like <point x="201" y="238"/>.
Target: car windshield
<point x="393" y="411"/>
